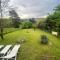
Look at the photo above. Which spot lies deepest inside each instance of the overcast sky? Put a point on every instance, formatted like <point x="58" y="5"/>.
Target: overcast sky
<point x="34" y="8"/>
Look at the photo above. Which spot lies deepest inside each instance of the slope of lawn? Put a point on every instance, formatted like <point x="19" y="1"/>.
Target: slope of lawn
<point x="31" y="48"/>
<point x="9" y="30"/>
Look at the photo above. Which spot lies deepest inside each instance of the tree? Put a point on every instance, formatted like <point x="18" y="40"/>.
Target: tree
<point x="15" y="18"/>
<point x="3" y="7"/>
<point x="41" y="25"/>
<point x="57" y="8"/>
<point x="53" y="20"/>
<point x="50" y="22"/>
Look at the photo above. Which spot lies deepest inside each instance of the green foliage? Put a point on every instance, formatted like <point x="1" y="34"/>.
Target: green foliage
<point x="53" y="20"/>
<point x="41" y="25"/>
<point x="57" y="8"/>
<point x="16" y="23"/>
<point x="44" y="39"/>
<point x="26" y="25"/>
<point x="15" y="18"/>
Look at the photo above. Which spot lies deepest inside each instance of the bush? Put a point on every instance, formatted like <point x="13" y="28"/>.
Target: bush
<point x="44" y="39"/>
<point x="26" y="25"/>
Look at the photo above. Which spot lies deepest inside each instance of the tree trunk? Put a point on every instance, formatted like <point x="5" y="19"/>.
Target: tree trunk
<point x="1" y="33"/>
<point x="1" y="22"/>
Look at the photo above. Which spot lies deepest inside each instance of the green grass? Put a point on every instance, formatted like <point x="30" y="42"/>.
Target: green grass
<point x="9" y="30"/>
<point x="32" y="49"/>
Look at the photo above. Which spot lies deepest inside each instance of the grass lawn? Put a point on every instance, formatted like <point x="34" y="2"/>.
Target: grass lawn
<point x="32" y="49"/>
<point x="9" y="30"/>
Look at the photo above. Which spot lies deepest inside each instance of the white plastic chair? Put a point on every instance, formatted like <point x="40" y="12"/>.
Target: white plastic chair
<point x="12" y="54"/>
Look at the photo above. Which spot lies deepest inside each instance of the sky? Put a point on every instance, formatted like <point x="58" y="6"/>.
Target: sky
<point x="34" y="8"/>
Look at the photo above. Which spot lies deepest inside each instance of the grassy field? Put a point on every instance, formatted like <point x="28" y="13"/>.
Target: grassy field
<point x="9" y="30"/>
<point x="31" y="48"/>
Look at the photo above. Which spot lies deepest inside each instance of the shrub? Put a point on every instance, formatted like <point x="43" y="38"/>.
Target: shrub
<point x="44" y="39"/>
<point x="26" y="25"/>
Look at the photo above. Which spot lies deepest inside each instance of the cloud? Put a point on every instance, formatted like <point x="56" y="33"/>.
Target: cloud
<point x="34" y="8"/>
